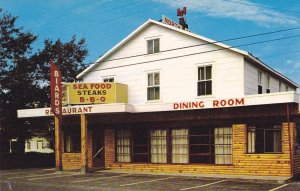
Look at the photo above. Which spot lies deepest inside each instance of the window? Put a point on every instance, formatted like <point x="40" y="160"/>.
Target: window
<point x="223" y="145"/>
<point x="111" y="79"/>
<point x="259" y="82"/>
<point x="251" y="139"/>
<point x="268" y="90"/>
<point x="158" y="145"/>
<point x="208" y="145"/>
<point x="201" y="145"/>
<point x="72" y="142"/>
<point x="153" y="89"/>
<point x="263" y="139"/>
<point x="39" y="144"/>
<point x="28" y="145"/>
<point x="180" y="146"/>
<point x="286" y="88"/>
<point x="123" y="145"/>
<point x="204" y="80"/>
<point x="280" y="87"/>
<point x="153" y="46"/>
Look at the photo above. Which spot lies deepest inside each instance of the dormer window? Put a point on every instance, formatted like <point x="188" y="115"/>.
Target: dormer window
<point x="153" y="46"/>
<point x="111" y="79"/>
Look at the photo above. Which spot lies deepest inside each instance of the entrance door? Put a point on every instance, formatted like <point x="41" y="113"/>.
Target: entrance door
<point x="98" y="147"/>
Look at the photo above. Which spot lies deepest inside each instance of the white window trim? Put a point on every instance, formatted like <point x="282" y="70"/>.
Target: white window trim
<point x="213" y="78"/>
<point x="160" y="87"/>
<point x="110" y="76"/>
<point x="153" y="38"/>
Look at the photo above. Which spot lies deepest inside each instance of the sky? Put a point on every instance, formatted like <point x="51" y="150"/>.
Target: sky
<point x="104" y="23"/>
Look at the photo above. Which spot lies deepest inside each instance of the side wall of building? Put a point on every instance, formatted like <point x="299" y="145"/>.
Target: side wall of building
<point x="251" y="81"/>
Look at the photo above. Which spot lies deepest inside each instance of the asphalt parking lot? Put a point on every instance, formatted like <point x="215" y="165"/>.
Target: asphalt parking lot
<point x="49" y="180"/>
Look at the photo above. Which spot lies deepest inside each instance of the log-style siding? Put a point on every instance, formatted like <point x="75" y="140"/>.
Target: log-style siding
<point x="243" y="163"/>
<point x="71" y="161"/>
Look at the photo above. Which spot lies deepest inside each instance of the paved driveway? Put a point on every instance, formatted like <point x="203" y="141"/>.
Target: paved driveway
<point x="49" y="180"/>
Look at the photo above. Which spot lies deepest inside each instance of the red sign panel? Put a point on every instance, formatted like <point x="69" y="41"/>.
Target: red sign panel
<point x="56" y="90"/>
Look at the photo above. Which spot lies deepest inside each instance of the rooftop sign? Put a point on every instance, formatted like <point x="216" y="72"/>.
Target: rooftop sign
<point x="168" y="21"/>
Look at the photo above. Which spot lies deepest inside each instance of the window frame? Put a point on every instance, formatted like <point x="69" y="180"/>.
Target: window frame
<point x="260" y="82"/>
<point x="117" y="155"/>
<point x="73" y="148"/>
<point x="108" y="79"/>
<point x="268" y="90"/>
<point x="258" y="143"/>
<point x="209" y="152"/>
<point x="207" y="91"/>
<point x="152" y="46"/>
<point x="152" y="85"/>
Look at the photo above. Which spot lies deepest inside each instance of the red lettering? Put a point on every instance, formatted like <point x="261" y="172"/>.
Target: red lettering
<point x="201" y="104"/>
<point x="81" y="99"/>
<point x="240" y="102"/>
<point x="102" y="99"/>
<point x="92" y="99"/>
<point x="231" y="102"/>
<point x="175" y="105"/>
<point x="215" y="103"/>
<point x="223" y="102"/>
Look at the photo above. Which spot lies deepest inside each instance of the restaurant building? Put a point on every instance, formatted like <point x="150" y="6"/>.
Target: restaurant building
<point x="165" y="99"/>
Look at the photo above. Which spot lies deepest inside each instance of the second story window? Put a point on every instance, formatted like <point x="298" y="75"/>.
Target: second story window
<point x="268" y="90"/>
<point x="111" y="79"/>
<point x="259" y="79"/>
<point x="204" y="80"/>
<point x="153" y="46"/>
<point x="153" y="86"/>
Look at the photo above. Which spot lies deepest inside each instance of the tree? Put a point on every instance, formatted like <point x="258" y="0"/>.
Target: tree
<point x="25" y="74"/>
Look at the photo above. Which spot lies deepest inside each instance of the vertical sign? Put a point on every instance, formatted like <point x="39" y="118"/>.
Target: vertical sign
<point x="56" y="91"/>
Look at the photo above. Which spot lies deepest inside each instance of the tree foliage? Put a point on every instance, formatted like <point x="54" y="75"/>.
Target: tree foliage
<point x="25" y="73"/>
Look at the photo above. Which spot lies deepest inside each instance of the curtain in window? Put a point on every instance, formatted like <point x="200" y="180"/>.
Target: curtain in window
<point x="251" y="139"/>
<point x="123" y="145"/>
<point x="180" y="146"/>
<point x="223" y="145"/>
<point x="277" y="139"/>
<point x="68" y="144"/>
<point x="158" y="146"/>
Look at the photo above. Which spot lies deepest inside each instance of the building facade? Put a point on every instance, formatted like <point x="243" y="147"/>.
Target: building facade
<point x="193" y="106"/>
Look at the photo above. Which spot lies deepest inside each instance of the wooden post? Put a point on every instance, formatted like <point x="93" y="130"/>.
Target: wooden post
<point x="58" y="145"/>
<point x="84" y="144"/>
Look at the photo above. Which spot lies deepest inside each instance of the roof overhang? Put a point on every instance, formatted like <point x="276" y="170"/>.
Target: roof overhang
<point x="207" y="103"/>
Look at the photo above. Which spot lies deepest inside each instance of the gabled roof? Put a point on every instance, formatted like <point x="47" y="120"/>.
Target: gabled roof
<point x="221" y="45"/>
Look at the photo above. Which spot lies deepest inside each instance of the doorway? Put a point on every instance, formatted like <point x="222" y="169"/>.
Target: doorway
<point x="98" y="147"/>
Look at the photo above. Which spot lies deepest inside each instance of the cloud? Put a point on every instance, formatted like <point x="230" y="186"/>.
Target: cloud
<point x="295" y="64"/>
<point x="236" y="9"/>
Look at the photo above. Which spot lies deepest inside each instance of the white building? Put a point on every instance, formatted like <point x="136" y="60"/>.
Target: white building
<point x="38" y="144"/>
<point x="194" y="105"/>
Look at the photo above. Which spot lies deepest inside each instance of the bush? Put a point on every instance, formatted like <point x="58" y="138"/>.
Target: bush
<point x="28" y="160"/>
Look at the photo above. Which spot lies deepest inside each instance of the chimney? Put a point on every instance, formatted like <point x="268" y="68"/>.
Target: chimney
<point x="180" y="14"/>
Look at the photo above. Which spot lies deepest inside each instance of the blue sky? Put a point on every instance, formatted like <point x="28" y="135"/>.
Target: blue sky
<point x="106" y="22"/>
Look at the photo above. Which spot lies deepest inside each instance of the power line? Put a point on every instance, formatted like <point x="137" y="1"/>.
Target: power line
<point x="214" y="42"/>
<point x="260" y="6"/>
<point x="197" y="53"/>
